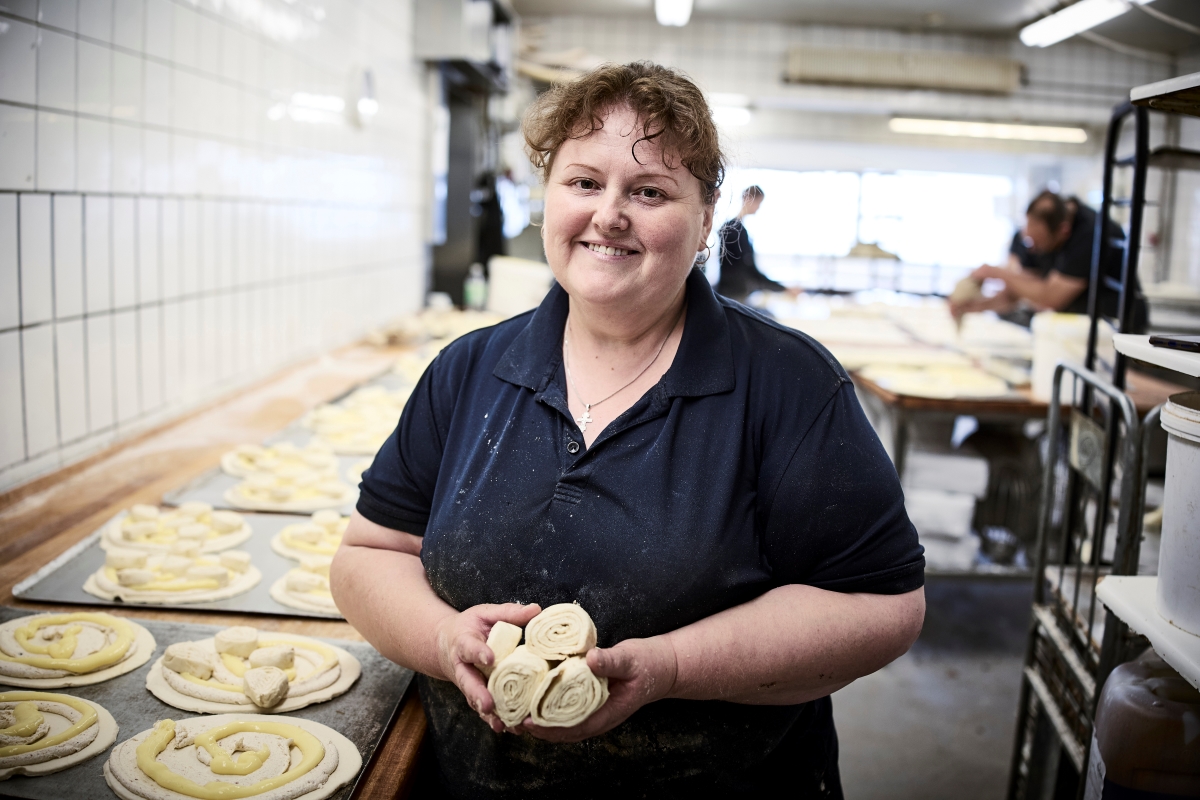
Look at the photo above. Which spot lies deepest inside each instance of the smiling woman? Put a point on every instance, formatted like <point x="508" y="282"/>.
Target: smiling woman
<point x="701" y="480"/>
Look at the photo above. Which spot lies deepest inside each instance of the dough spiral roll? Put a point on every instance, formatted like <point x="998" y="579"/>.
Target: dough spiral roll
<point x="561" y="630"/>
<point x="568" y="695"/>
<point x="514" y="682"/>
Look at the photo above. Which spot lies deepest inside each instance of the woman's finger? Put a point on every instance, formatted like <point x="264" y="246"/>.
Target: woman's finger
<point x="470" y="682"/>
<point x="515" y="613"/>
<point x="613" y="662"/>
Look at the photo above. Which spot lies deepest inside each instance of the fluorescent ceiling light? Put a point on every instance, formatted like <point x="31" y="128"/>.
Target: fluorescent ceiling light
<point x="1083" y="16"/>
<point x="731" y="116"/>
<point x="987" y="130"/>
<point x="673" y="12"/>
<point x="728" y="99"/>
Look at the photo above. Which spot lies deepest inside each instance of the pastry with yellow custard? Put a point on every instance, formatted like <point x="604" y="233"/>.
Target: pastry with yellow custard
<point x="319" y="537"/>
<point x="231" y="756"/>
<point x="359" y="424"/>
<point x="50" y="651"/>
<point x="45" y="732"/>
<point x="183" y="575"/>
<point x="156" y="530"/>
<point x="307" y="586"/>
<point x="249" y="459"/>
<point x="245" y="669"/>
<point x="290" y="489"/>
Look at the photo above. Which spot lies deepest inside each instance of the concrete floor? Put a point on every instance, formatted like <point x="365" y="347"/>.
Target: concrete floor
<point x="938" y="722"/>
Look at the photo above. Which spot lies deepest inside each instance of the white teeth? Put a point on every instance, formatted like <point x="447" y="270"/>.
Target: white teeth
<point x="608" y="251"/>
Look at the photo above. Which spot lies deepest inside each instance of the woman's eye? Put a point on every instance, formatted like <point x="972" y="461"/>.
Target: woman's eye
<point x="650" y="193"/>
<point x="586" y="184"/>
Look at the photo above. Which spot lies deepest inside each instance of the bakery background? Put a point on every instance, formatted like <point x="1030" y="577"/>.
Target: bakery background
<point x="217" y="216"/>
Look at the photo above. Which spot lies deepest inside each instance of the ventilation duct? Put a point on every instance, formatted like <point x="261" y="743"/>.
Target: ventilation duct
<point x="956" y="72"/>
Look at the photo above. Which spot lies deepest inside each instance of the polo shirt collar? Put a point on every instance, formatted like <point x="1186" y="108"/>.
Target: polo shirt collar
<point x="703" y="364"/>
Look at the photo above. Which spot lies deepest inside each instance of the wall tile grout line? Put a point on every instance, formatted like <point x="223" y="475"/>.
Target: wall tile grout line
<point x="21" y="340"/>
<point x="54" y="321"/>
<point x="87" y="339"/>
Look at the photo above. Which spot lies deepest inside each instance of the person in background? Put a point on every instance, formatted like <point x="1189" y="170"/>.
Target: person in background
<point x="739" y="274"/>
<point x="1050" y="264"/>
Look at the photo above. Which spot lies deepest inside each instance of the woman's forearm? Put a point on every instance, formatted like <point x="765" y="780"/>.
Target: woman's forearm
<point x="793" y="644"/>
<point x="384" y="594"/>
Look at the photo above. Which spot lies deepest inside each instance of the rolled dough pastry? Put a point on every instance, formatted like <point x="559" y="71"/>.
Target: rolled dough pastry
<point x="51" y="651"/>
<point x="233" y="756"/>
<point x="568" y="695"/>
<point x="157" y="530"/>
<point x="561" y="630"/>
<point x="966" y="290"/>
<point x="316" y="671"/>
<point x="290" y="490"/>
<point x="43" y="732"/>
<point x="359" y="424"/>
<point x="321" y="536"/>
<point x="248" y="459"/>
<point x="943" y="382"/>
<point x="183" y="577"/>
<point x="502" y="640"/>
<point x="514" y="682"/>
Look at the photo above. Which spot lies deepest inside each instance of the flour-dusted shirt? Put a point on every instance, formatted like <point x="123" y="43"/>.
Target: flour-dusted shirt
<point x="748" y="466"/>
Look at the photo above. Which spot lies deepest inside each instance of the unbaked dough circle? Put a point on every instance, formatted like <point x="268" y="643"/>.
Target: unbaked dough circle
<point x="349" y="759"/>
<point x="105" y="736"/>
<point x="239" y="500"/>
<point x="143" y="647"/>
<point x="111" y="537"/>
<point x="351" y="669"/>
<point x="281" y="595"/>
<point x="244" y="582"/>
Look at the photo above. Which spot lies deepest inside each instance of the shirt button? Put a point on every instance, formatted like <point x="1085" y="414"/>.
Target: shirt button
<point x="572" y="447"/>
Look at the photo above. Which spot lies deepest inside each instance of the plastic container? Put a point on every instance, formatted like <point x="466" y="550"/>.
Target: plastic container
<point x="1179" y="550"/>
<point x="1063" y="337"/>
<point x="1145" y="742"/>
<point x="475" y="288"/>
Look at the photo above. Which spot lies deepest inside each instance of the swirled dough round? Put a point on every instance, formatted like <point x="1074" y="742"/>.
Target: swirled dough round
<point x="514" y="682"/>
<point x="360" y="423"/>
<point x="568" y="695"/>
<point x="290" y="491"/>
<point x="321" y="672"/>
<point x="173" y="579"/>
<point x="307" y="587"/>
<point x="59" y="732"/>
<point x="249" y="459"/>
<point x="104" y="647"/>
<point x="157" y="530"/>
<point x="285" y="746"/>
<point x="561" y="630"/>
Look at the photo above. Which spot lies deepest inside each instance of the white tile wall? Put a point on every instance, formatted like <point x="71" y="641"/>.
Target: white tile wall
<point x="162" y="240"/>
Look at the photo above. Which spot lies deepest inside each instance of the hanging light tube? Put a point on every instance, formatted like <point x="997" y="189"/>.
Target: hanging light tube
<point x="673" y="13"/>
<point x="1075" y="19"/>
<point x="987" y="130"/>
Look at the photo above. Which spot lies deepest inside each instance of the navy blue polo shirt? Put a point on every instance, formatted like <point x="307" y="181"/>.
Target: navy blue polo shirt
<point x="750" y="465"/>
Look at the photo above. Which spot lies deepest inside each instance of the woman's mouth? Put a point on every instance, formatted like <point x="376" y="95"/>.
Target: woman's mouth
<point x="608" y="251"/>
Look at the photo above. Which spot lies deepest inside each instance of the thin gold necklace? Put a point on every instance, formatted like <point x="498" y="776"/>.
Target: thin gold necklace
<point x="586" y="418"/>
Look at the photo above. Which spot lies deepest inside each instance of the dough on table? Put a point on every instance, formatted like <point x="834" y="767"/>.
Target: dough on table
<point x="211" y="676"/>
<point x="276" y="758"/>
<point x="248" y="459"/>
<point x="561" y="630"/>
<point x="156" y="530"/>
<point x="320" y="536"/>
<point x="355" y="472"/>
<point x="567" y="695"/>
<point x="966" y="290"/>
<point x="943" y="382"/>
<point x="45" y="732"/>
<point x="52" y="651"/>
<point x="412" y="366"/>
<point x="291" y="489"/>
<point x="178" y="577"/>
<point x="360" y="423"/>
<point x="307" y="587"/>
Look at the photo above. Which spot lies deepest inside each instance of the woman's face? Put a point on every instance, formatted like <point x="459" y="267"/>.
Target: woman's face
<point x="618" y="233"/>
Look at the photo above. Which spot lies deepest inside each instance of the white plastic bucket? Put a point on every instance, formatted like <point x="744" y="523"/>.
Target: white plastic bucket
<point x="1179" y="556"/>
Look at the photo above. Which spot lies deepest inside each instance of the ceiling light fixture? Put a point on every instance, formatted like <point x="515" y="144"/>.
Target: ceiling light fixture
<point x="1075" y="19"/>
<point x="731" y="116"/>
<point x="988" y="130"/>
<point x="674" y="13"/>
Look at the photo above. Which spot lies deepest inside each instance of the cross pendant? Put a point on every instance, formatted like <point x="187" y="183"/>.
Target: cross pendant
<point x="585" y="419"/>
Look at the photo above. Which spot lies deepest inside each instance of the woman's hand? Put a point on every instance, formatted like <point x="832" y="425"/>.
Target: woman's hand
<point x="462" y="649"/>
<point x="639" y="671"/>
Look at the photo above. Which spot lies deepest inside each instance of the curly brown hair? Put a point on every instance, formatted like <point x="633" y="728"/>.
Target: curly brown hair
<point x="669" y="106"/>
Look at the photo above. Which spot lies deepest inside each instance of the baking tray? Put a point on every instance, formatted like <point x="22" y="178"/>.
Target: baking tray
<point x="210" y="487"/>
<point x="363" y="714"/>
<point x="61" y="581"/>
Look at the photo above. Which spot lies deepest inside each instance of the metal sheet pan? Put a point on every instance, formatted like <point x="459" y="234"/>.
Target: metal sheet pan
<point x="363" y="714"/>
<point x="61" y="581"/>
<point x="210" y="487"/>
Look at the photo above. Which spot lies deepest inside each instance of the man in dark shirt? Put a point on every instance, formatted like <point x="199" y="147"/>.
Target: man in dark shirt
<point x="739" y="274"/>
<point x="1050" y="264"/>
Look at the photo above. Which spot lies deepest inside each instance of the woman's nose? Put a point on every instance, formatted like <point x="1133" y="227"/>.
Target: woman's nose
<point x="610" y="216"/>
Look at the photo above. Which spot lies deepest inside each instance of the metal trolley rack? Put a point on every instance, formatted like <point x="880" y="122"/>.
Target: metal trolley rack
<point x="1074" y="642"/>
